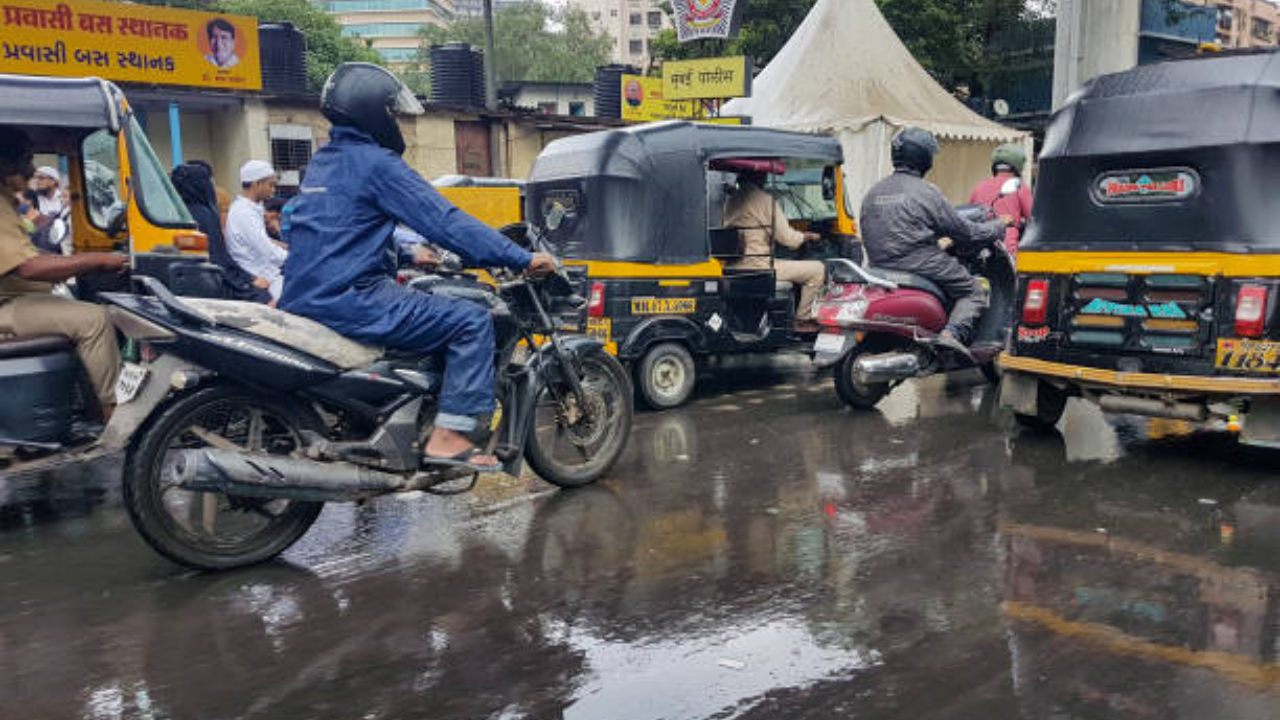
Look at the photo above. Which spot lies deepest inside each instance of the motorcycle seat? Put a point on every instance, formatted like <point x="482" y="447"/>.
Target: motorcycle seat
<point x="909" y="280"/>
<point x="12" y="346"/>
<point x="290" y="330"/>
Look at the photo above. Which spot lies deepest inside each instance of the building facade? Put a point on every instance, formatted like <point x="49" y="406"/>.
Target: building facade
<point x="391" y="27"/>
<point x="1245" y="23"/>
<point x="631" y="24"/>
<point x="475" y="8"/>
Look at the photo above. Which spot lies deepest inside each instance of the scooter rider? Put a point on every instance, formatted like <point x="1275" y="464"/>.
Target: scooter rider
<point x="342" y="259"/>
<point x="903" y="218"/>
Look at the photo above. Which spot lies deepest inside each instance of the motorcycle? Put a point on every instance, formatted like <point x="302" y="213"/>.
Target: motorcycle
<point x="238" y="421"/>
<point x="881" y="327"/>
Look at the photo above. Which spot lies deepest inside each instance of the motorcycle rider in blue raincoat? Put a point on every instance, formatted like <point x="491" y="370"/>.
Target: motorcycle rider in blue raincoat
<point x="342" y="259"/>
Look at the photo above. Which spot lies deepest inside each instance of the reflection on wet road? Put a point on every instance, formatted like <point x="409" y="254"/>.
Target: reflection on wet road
<point x="763" y="553"/>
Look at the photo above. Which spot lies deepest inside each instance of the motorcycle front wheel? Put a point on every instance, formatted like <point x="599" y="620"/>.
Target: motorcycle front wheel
<point x="214" y="531"/>
<point x="575" y="441"/>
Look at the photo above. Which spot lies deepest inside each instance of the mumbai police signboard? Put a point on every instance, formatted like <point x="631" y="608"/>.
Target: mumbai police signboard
<point x="643" y="101"/>
<point x="699" y="19"/>
<point x="136" y="43"/>
<point x="709" y="78"/>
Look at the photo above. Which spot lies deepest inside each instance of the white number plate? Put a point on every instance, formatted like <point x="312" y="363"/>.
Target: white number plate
<point x="829" y="344"/>
<point x="132" y="377"/>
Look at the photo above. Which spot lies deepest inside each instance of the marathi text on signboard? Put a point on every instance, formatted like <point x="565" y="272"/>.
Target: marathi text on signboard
<point x="137" y="43"/>
<point x="709" y="78"/>
<point x="643" y="101"/>
<point x="699" y="19"/>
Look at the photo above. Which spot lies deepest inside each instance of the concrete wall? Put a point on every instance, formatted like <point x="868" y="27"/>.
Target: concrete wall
<point x="1094" y="37"/>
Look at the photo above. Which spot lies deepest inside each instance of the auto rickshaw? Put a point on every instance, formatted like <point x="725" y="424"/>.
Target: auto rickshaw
<point x="644" y="217"/>
<point x="121" y="197"/>
<point x="1149" y="277"/>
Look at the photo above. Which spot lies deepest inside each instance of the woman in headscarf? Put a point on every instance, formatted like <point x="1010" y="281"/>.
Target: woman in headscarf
<point x="194" y="183"/>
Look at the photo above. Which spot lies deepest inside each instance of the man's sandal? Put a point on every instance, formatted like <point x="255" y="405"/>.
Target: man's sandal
<point x="462" y="460"/>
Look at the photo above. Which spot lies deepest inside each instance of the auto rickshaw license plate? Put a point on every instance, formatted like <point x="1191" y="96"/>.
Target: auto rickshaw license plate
<point x="664" y="306"/>
<point x="600" y="328"/>
<point x="1250" y="355"/>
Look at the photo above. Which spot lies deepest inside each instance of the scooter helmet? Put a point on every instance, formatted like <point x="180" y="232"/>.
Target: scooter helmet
<point x="1009" y="156"/>
<point x="368" y="97"/>
<point x="914" y="149"/>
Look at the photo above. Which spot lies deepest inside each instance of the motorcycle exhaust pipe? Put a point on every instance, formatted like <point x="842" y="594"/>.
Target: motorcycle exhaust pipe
<point x="886" y="367"/>
<point x="1149" y="407"/>
<point x="277" y="477"/>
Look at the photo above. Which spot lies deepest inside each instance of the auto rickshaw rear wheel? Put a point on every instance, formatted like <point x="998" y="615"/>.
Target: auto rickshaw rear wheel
<point x="1051" y="402"/>
<point x="665" y="376"/>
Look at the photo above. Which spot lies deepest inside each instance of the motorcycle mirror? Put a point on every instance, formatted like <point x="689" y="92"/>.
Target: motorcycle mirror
<point x="1010" y="186"/>
<point x="555" y="217"/>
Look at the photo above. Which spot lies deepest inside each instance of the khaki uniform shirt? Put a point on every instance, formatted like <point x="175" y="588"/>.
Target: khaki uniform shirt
<point x="16" y="249"/>
<point x="759" y="219"/>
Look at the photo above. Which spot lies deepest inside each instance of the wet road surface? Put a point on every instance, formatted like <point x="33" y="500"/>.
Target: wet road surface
<point x="762" y="553"/>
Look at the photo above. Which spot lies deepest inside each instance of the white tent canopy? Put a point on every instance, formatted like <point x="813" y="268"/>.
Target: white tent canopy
<point x="845" y="72"/>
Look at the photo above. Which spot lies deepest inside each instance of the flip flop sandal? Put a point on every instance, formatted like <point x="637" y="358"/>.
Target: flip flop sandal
<point x="462" y="460"/>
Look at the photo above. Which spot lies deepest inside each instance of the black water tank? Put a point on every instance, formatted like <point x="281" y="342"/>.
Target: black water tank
<point x="283" y="59"/>
<point x="456" y="73"/>
<point x="477" y="82"/>
<point x="608" y="89"/>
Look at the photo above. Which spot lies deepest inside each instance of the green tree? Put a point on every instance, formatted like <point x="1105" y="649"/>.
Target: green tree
<point x="326" y="46"/>
<point x="951" y="38"/>
<point x="533" y="42"/>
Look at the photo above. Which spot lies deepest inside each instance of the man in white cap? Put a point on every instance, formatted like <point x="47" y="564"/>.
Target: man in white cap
<point x="49" y="200"/>
<point x="246" y="232"/>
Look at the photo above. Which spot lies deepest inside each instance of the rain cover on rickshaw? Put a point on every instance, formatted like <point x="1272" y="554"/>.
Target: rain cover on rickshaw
<point x="1175" y="156"/>
<point x="58" y="102"/>
<point x="640" y="194"/>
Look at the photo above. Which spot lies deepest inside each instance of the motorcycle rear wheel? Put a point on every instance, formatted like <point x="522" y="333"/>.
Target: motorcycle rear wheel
<point x="213" y="531"/>
<point x="575" y="443"/>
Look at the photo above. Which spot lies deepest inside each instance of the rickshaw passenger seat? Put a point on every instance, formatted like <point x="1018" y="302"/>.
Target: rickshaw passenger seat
<point x="726" y="243"/>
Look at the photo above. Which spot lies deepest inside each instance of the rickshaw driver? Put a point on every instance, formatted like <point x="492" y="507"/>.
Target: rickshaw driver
<point x="761" y="222"/>
<point x="342" y="259"/>
<point x="903" y="218"/>
<point x="27" y="305"/>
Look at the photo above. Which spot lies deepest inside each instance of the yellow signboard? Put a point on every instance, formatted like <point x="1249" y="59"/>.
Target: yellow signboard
<point x="642" y="101"/>
<point x="706" y="79"/>
<point x="122" y="41"/>
<point x="664" y="306"/>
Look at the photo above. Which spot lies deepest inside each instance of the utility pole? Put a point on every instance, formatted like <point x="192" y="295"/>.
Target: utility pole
<point x="491" y="91"/>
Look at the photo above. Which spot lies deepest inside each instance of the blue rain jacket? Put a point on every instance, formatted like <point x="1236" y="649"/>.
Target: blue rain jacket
<point x="342" y="258"/>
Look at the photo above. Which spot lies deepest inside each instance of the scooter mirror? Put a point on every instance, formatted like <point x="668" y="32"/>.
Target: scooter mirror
<point x="1010" y="186"/>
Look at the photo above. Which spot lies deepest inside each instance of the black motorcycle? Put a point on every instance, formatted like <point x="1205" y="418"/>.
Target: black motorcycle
<point x="239" y="421"/>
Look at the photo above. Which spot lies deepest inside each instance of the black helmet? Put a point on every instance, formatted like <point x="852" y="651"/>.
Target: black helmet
<point x="913" y="149"/>
<point x="367" y="97"/>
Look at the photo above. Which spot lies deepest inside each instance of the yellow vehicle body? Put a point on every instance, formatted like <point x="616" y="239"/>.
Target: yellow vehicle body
<point x="496" y="207"/>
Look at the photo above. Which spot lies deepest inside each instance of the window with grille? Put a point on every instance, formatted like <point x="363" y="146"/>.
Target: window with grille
<point x="290" y="153"/>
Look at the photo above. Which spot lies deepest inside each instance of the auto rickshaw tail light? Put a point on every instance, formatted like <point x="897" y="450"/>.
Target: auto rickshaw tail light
<point x="595" y="306"/>
<point x="191" y="242"/>
<point x="1035" y="307"/>
<point x="1251" y="311"/>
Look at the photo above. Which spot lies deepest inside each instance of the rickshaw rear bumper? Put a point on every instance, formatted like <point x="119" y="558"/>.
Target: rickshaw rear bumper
<point x="1144" y="383"/>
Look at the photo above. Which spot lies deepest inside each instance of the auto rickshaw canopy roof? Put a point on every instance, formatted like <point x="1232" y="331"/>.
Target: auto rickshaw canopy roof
<point x="1175" y="157"/>
<point x="639" y="194"/>
<point x="59" y="102"/>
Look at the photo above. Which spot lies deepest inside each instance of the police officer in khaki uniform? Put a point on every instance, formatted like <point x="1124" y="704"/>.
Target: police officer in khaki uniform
<point x="761" y="222"/>
<point x="27" y="277"/>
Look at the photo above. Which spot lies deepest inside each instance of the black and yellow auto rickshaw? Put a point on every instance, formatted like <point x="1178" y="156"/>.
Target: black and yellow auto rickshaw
<point x="1149" y="278"/>
<point x="644" y="217"/>
<point x="121" y="197"/>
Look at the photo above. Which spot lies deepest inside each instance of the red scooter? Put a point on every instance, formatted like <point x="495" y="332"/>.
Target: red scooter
<point x="880" y="327"/>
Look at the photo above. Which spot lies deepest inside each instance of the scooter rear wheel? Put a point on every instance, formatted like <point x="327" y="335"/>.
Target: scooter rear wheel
<point x="213" y="531"/>
<point x="857" y="395"/>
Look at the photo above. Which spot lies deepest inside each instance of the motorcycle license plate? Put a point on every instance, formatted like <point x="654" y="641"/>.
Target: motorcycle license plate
<point x="829" y="344"/>
<point x="132" y="376"/>
<point x="1248" y="355"/>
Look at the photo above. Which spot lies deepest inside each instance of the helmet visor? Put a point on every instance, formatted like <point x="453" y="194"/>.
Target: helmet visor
<point x="406" y="103"/>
